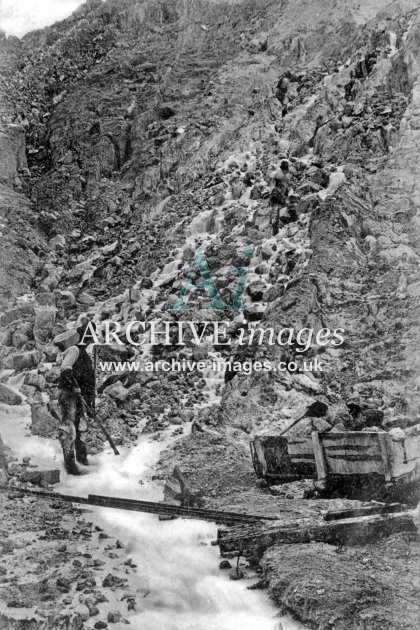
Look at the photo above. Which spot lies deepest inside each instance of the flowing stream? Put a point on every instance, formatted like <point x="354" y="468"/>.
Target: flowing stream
<point x="180" y="586"/>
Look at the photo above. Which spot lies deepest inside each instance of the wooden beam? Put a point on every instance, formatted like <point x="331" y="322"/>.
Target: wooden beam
<point x="383" y="445"/>
<point x="3" y="460"/>
<point x="321" y="464"/>
<point x="4" y="477"/>
<point x="379" y="508"/>
<point x="349" y="531"/>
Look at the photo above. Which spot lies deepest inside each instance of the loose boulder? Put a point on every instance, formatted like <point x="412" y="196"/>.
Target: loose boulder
<point x="8" y="396"/>
<point x="43" y="423"/>
<point x="42" y="477"/>
<point x="26" y="360"/>
<point x="44" y="323"/>
<point x="166" y="111"/>
<point x="67" y="339"/>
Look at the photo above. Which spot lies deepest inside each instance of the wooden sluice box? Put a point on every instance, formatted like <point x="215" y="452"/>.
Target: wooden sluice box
<point x="355" y="459"/>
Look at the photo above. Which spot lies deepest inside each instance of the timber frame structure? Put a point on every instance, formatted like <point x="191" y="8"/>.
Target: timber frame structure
<point x="364" y="460"/>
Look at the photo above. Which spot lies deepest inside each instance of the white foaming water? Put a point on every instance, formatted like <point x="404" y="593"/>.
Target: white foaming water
<point x="335" y="181"/>
<point x="207" y="222"/>
<point x="178" y="585"/>
<point x="393" y="43"/>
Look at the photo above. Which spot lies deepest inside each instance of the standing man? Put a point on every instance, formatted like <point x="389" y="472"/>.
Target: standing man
<point x="77" y="383"/>
<point x="282" y="90"/>
<point x="279" y="193"/>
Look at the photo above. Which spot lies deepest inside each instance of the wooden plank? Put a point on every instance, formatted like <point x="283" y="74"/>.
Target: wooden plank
<point x="379" y="508"/>
<point x="272" y="461"/>
<point x="321" y="464"/>
<point x="353" y="453"/>
<point x="361" y="437"/>
<point x="405" y="458"/>
<point x="383" y="445"/>
<point x="346" y="467"/>
<point x="3" y="460"/>
<point x="299" y="444"/>
<point x="301" y="450"/>
<point x="350" y="457"/>
<point x="304" y="458"/>
<point x="3" y="466"/>
<point x="351" y="531"/>
<point x="259" y="453"/>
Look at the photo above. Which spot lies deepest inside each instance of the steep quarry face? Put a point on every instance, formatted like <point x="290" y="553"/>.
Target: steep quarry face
<point x="151" y="131"/>
<point x="136" y="133"/>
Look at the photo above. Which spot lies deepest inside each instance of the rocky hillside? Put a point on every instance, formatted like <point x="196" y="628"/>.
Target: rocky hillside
<point x="151" y="130"/>
<point x="136" y="132"/>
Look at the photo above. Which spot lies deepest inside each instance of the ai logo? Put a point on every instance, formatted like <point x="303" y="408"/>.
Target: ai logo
<point x="200" y="263"/>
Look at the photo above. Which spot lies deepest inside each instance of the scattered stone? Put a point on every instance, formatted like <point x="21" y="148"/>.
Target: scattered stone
<point x="259" y="43"/>
<point x="321" y="425"/>
<point x="44" y="323"/>
<point x="166" y="111"/>
<point x="111" y="580"/>
<point x="98" y="563"/>
<point x="26" y="360"/>
<point x="67" y="298"/>
<point x="67" y="339"/>
<point x="57" y="242"/>
<point x="114" y="616"/>
<point x="8" y="396"/>
<point x="86" y="299"/>
<point x="117" y="391"/>
<point x="50" y="352"/>
<point x="42" y="477"/>
<point x="45" y="299"/>
<point x="35" y="380"/>
<point x="15" y="603"/>
<point x="43" y="423"/>
<point x="21" y="312"/>
<point x="256" y="290"/>
<point x="19" y="339"/>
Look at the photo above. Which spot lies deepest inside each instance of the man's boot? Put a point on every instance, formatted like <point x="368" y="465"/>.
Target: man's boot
<point x="81" y="452"/>
<point x="70" y="464"/>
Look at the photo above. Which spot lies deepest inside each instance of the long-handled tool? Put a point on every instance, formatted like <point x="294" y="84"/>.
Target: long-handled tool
<point x="318" y="409"/>
<point x="91" y="413"/>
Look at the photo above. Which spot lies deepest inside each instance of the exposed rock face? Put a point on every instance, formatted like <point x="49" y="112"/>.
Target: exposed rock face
<point x="134" y="145"/>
